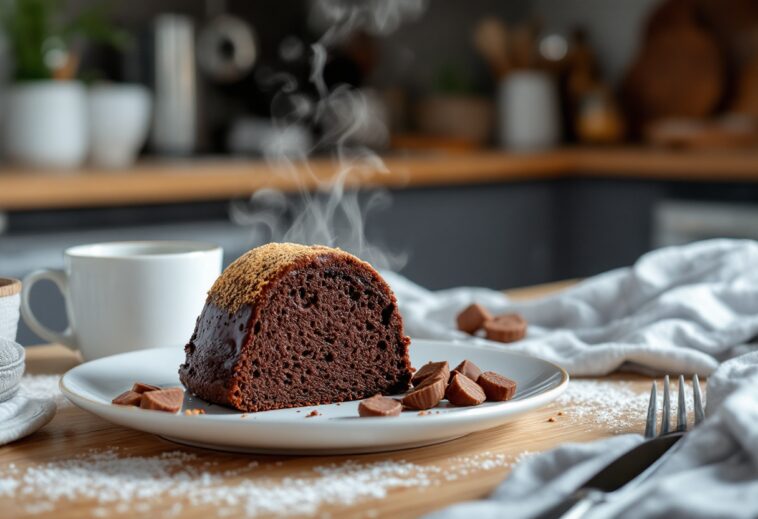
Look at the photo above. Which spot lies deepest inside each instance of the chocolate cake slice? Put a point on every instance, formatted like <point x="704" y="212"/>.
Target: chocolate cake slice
<point x="291" y="325"/>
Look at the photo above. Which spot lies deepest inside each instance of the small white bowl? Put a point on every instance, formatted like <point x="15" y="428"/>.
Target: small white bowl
<point x="10" y="300"/>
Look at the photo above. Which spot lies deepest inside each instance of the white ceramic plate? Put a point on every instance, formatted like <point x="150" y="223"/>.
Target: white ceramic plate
<point x="337" y="430"/>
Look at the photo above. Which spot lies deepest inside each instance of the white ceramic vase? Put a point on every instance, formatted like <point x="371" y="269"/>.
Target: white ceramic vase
<point x="528" y="111"/>
<point x="46" y="124"/>
<point x="119" y="120"/>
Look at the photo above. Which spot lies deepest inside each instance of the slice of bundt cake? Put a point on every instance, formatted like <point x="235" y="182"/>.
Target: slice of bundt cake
<point x="291" y="325"/>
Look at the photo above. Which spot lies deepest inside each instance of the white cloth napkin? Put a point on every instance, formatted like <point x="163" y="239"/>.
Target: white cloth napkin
<point x="713" y="473"/>
<point x="676" y="310"/>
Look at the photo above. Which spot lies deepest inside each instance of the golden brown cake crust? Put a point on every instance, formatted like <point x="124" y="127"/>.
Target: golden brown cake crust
<point x="244" y="280"/>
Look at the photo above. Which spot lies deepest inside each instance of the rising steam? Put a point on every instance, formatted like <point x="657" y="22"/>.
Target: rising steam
<point x="330" y="214"/>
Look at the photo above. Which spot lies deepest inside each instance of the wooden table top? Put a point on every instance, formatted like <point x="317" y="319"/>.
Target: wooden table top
<point x="172" y="181"/>
<point x="457" y="470"/>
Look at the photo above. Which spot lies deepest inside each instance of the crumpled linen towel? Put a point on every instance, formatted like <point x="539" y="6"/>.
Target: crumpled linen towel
<point x="713" y="473"/>
<point x="677" y="310"/>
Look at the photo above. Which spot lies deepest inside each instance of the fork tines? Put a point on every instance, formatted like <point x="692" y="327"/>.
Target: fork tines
<point x="681" y="414"/>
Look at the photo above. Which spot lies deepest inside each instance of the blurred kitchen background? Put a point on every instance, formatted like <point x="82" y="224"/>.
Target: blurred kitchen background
<point x="478" y="142"/>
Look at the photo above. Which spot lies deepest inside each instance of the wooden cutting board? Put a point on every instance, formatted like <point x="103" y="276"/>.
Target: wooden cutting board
<point x="679" y="71"/>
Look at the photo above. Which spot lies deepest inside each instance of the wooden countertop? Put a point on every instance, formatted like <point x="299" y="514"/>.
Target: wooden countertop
<point x="168" y="181"/>
<point x="74" y="432"/>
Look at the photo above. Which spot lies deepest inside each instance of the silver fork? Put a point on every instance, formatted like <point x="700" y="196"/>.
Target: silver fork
<point x="681" y="411"/>
<point x="617" y="478"/>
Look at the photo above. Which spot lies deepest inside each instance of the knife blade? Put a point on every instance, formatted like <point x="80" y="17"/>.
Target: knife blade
<point x="617" y="473"/>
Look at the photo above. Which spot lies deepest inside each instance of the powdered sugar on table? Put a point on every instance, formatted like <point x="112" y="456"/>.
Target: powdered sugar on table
<point x="43" y="386"/>
<point x="121" y="484"/>
<point x="612" y="403"/>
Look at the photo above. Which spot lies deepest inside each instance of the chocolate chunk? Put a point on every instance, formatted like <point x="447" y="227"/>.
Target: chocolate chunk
<point x="379" y="405"/>
<point x="468" y="369"/>
<point x="128" y="398"/>
<point x="472" y="318"/>
<point x="505" y="328"/>
<point x="167" y="400"/>
<point x="141" y="387"/>
<point x="496" y="386"/>
<point x="463" y="391"/>
<point x="432" y="369"/>
<point x="427" y="394"/>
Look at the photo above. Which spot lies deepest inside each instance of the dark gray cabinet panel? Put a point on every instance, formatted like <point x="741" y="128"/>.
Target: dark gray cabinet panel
<point x="602" y="224"/>
<point x="491" y="235"/>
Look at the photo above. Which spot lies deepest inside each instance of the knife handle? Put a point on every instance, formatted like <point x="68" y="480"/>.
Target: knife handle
<point x="576" y="505"/>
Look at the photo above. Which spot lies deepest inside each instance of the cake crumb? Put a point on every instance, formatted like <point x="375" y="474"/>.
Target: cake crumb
<point x="551" y="419"/>
<point x="194" y="412"/>
<point x="243" y="415"/>
<point x="423" y="413"/>
<point x="560" y="413"/>
<point x="312" y="414"/>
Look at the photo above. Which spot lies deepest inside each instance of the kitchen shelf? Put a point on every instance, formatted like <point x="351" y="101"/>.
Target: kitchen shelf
<point x="169" y="181"/>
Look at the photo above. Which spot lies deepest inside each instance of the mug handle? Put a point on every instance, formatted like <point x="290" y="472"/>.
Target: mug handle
<point x="60" y="279"/>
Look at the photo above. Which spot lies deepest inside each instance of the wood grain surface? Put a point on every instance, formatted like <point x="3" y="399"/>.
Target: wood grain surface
<point x="217" y="179"/>
<point x="74" y="431"/>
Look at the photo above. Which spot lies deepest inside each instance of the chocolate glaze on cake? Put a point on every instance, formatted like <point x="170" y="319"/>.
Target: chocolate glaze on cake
<point x="290" y="325"/>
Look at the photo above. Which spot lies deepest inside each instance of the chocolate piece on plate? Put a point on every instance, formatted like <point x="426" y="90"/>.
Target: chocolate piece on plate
<point x="379" y="405"/>
<point x="468" y="369"/>
<point x="496" y="386"/>
<point x="427" y="394"/>
<point x="141" y="387"/>
<point x="431" y="369"/>
<point x="472" y="318"/>
<point x="168" y="400"/>
<point x="128" y="397"/>
<point x="463" y="391"/>
<point x="505" y="328"/>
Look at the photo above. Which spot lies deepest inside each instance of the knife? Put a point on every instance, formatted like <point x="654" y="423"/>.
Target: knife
<point x="614" y="476"/>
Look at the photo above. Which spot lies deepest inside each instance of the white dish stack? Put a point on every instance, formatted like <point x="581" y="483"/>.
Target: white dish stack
<point x="19" y="415"/>
<point x="11" y="354"/>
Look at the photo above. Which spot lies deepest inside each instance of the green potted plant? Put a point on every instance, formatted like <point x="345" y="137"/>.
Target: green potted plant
<point x="46" y="116"/>
<point x="454" y="110"/>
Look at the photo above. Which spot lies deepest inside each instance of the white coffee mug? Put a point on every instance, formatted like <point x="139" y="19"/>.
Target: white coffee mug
<point x="126" y="296"/>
